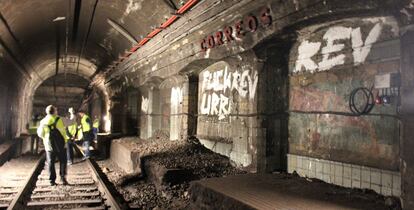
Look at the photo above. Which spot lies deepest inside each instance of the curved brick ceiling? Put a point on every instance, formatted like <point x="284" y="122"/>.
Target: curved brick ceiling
<point x="28" y="32"/>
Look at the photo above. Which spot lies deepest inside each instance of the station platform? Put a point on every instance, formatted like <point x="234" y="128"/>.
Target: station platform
<point x="279" y="191"/>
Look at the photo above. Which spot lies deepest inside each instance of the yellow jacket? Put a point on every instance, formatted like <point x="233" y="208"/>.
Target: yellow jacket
<point x="44" y="132"/>
<point x="86" y="124"/>
<point x="33" y="125"/>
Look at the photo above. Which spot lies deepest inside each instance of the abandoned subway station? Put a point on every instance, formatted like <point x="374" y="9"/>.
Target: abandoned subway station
<point x="207" y="104"/>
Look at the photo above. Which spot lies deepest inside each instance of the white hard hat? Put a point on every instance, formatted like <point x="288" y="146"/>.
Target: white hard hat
<point x="71" y="110"/>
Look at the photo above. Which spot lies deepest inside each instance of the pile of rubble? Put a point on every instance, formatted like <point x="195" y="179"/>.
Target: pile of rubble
<point x="190" y="155"/>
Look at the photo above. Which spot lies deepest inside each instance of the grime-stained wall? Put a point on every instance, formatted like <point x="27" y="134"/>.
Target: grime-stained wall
<point x="11" y="122"/>
<point x="226" y="96"/>
<point x="163" y="108"/>
<point x="150" y="117"/>
<point x="327" y="63"/>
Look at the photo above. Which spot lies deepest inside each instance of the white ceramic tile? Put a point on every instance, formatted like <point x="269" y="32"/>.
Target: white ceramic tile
<point x="386" y="180"/>
<point x="319" y="166"/>
<point x="347" y="182"/>
<point x="356" y="183"/>
<point x="396" y="182"/>
<point x="375" y="176"/>
<point x="292" y="160"/>
<point x="301" y="172"/>
<point x="305" y="163"/>
<point x="326" y="168"/>
<point x="311" y="174"/>
<point x="290" y="169"/>
<point x="366" y="175"/>
<point x="332" y="170"/>
<point x="319" y="175"/>
<point x="338" y="180"/>
<point x="347" y="171"/>
<point x="356" y="173"/>
<point x="365" y="185"/>
<point x="312" y="166"/>
<point x="396" y="192"/>
<point x="381" y="181"/>
<point x="339" y="170"/>
<point x="386" y="191"/>
<point x="326" y="178"/>
<point x="376" y="188"/>
<point x="299" y="162"/>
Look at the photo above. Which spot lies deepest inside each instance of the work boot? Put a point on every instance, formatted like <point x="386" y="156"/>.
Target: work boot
<point x="64" y="182"/>
<point x="52" y="183"/>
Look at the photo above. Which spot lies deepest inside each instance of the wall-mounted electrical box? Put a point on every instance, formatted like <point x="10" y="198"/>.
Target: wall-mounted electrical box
<point x="387" y="88"/>
<point x="387" y="81"/>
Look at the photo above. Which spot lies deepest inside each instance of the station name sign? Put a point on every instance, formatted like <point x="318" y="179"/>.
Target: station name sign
<point x="248" y="24"/>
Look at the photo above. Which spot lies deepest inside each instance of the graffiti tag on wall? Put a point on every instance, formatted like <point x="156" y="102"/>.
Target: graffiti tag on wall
<point x="218" y="86"/>
<point x="144" y="105"/>
<point x="176" y="99"/>
<point x="333" y="49"/>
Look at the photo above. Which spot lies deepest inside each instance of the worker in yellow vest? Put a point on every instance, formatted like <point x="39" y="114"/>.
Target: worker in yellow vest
<point x="87" y="133"/>
<point x="72" y="132"/>
<point x="52" y="131"/>
<point x="32" y="127"/>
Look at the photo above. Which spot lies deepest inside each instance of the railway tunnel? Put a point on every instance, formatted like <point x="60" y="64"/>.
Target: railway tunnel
<point x="212" y="104"/>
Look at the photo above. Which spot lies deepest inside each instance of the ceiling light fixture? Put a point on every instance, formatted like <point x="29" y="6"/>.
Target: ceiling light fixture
<point x="59" y="19"/>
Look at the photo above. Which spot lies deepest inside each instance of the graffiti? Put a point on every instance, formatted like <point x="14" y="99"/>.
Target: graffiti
<point x="217" y="86"/>
<point x="333" y="51"/>
<point x="176" y="99"/>
<point x="145" y="105"/>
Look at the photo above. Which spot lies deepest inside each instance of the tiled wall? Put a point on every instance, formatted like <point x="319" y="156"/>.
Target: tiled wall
<point x="347" y="175"/>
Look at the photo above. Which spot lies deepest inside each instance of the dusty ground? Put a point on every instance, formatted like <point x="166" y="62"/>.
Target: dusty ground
<point x="142" y="194"/>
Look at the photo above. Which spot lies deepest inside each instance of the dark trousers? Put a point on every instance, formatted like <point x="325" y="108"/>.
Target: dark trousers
<point x="69" y="151"/>
<point x="50" y="161"/>
<point x="87" y="140"/>
<point x="34" y="144"/>
<point x="85" y="145"/>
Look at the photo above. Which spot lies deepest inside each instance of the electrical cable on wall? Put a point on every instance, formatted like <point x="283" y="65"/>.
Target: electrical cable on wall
<point x="368" y="97"/>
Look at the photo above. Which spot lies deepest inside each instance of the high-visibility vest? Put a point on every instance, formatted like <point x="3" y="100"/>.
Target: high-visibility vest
<point x="33" y="125"/>
<point x="73" y="130"/>
<point x="96" y="123"/>
<point x="43" y="130"/>
<point x="86" y="126"/>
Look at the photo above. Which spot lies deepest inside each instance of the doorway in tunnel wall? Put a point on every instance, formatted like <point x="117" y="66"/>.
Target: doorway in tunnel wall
<point x="150" y="109"/>
<point x="172" y="92"/>
<point x="165" y="106"/>
<point x="131" y="112"/>
<point x="273" y="104"/>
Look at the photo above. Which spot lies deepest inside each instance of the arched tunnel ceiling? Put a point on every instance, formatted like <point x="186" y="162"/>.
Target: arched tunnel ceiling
<point x="62" y="90"/>
<point x="28" y="31"/>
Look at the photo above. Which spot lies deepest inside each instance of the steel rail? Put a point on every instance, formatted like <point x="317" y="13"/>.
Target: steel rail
<point x="106" y="193"/>
<point x="18" y="201"/>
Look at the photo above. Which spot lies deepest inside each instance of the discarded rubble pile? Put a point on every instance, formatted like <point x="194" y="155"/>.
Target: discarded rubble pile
<point x="192" y="159"/>
<point x="169" y="166"/>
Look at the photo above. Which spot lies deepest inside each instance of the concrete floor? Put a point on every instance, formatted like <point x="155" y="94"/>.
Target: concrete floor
<point x="278" y="191"/>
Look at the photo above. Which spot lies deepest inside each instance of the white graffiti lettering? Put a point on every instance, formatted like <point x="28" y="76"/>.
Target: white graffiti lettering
<point x="362" y="49"/>
<point x="333" y="46"/>
<point x="144" y="105"/>
<point x="335" y="38"/>
<point x="176" y="99"/>
<point x="216" y="87"/>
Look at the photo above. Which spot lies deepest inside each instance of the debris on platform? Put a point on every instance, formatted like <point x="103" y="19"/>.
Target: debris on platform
<point x="188" y="155"/>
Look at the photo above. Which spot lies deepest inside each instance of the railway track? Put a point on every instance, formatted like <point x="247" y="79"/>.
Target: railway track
<point x="30" y="189"/>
